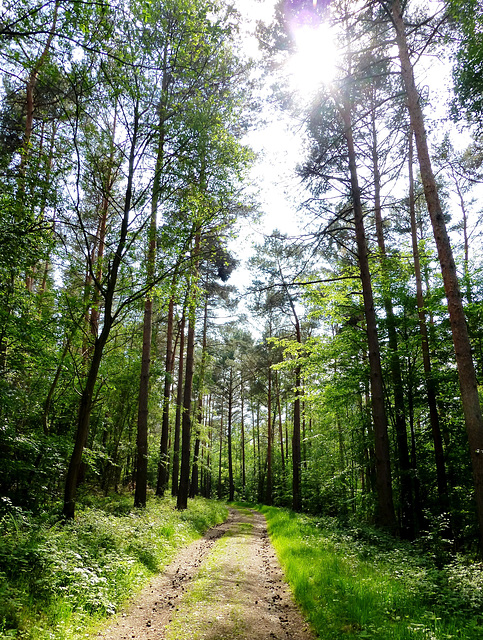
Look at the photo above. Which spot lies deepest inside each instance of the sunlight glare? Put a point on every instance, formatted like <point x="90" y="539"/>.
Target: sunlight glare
<point x="314" y="62"/>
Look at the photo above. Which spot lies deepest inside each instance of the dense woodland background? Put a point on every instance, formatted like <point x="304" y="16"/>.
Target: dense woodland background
<point x="124" y="179"/>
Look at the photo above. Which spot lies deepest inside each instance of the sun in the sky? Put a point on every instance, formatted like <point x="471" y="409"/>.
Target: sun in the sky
<point x="314" y="61"/>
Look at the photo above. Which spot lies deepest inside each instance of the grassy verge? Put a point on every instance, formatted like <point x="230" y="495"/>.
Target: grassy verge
<point x="359" y="583"/>
<point x="58" y="581"/>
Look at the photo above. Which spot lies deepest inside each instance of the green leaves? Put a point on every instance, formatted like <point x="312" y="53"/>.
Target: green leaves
<point x="468" y="73"/>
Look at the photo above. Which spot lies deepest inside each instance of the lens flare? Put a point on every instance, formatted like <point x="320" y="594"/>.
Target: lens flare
<point x="315" y="59"/>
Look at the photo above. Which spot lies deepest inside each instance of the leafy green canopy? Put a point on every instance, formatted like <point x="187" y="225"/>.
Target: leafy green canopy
<point x="468" y="71"/>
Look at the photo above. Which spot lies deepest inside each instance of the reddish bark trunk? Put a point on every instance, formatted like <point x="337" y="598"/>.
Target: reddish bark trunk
<point x="385" y="513"/>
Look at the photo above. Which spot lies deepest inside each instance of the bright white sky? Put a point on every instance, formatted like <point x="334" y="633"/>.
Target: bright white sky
<point x="278" y="141"/>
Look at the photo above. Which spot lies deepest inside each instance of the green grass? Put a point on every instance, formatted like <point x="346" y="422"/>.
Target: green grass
<point x="58" y="581"/>
<point x="360" y="583"/>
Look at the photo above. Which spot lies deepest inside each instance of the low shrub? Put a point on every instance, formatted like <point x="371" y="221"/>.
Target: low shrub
<point x="56" y="581"/>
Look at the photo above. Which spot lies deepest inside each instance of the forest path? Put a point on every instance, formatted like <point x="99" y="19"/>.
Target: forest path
<point x="228" y="585"/>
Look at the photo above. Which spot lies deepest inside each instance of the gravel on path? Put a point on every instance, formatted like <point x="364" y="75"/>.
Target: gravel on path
<point x="226" y="586"/>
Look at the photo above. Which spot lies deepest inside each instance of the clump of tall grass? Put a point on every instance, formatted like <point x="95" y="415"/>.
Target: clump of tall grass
<point x="57" y="580"/>
<point x="361" y="583"/>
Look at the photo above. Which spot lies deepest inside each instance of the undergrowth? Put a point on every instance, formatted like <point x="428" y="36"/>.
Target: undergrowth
<point x="360" y="583"/>
<point x="57" y="581"/>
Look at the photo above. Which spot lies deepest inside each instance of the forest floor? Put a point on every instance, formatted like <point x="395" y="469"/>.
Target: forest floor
<point x="228" y="585"/>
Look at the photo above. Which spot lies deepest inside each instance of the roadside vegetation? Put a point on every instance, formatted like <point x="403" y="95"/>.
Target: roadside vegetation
<point x="357" y="582"/>
<point x="60" y="580"/>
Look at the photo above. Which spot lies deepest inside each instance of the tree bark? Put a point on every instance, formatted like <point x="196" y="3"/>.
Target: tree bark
<point x="244" y="478"/>
<point x="85" y="405"/>
<point x="385" y="512"/>
<point x="423" y="330"/>
<point x="163" y="465"/>
<point x="269" y="436"/>
<point x="184" y="478"/>
<point x="179" y="400"/>
<point x="231" y="484"/>
<point x="406" y="495"/>
<point x="143" y="411"/>
<point x="195" y="469"/>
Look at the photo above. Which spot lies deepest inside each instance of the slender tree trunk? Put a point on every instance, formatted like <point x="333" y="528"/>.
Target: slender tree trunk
<point x="30" y="88"/>
<point x="199" y="421"/>
<point x="184" y="478"/>
<point x="296" y="445"/>
<point x="142" y="432"/>
<point x="280" y="424"/>
<point x="143" y="410"/>
<point x="269" y="437"/>
<point x="163" y="465"/>
<point x="229" y="436"/>
<point x="441" y="477"/>
<point x="101" y="236"/>
<point x="220" y="457"/>
<point x="53" y="386"/>
<point x="385" y="513"/>
<point x="87" y="396"/>
<point x="179" y="401"/>
<point x="244" y="478"/>
<point x="406" y="496"/>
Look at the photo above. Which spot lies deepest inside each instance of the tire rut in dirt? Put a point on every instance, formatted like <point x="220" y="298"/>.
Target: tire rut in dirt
<point x="256" y="605"/>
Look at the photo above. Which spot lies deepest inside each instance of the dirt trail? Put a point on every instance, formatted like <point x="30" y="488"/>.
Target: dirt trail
<point x="226" y="586"/>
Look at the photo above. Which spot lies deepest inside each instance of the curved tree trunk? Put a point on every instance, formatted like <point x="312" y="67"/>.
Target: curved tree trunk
<point x="87" y="397"/>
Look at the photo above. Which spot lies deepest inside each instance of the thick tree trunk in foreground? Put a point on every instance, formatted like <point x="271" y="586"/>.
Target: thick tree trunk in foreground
<point x="385" y="513"/>
<point x="459" y="329"/>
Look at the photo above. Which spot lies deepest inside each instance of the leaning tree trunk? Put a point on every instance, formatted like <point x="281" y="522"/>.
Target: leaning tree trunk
<point x="385" y="514"/>
<point x="459" y="329"/>
<point x="87" y="397"/>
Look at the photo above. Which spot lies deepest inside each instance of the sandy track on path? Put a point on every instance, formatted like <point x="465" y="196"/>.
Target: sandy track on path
<point x="226" y="586"/>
